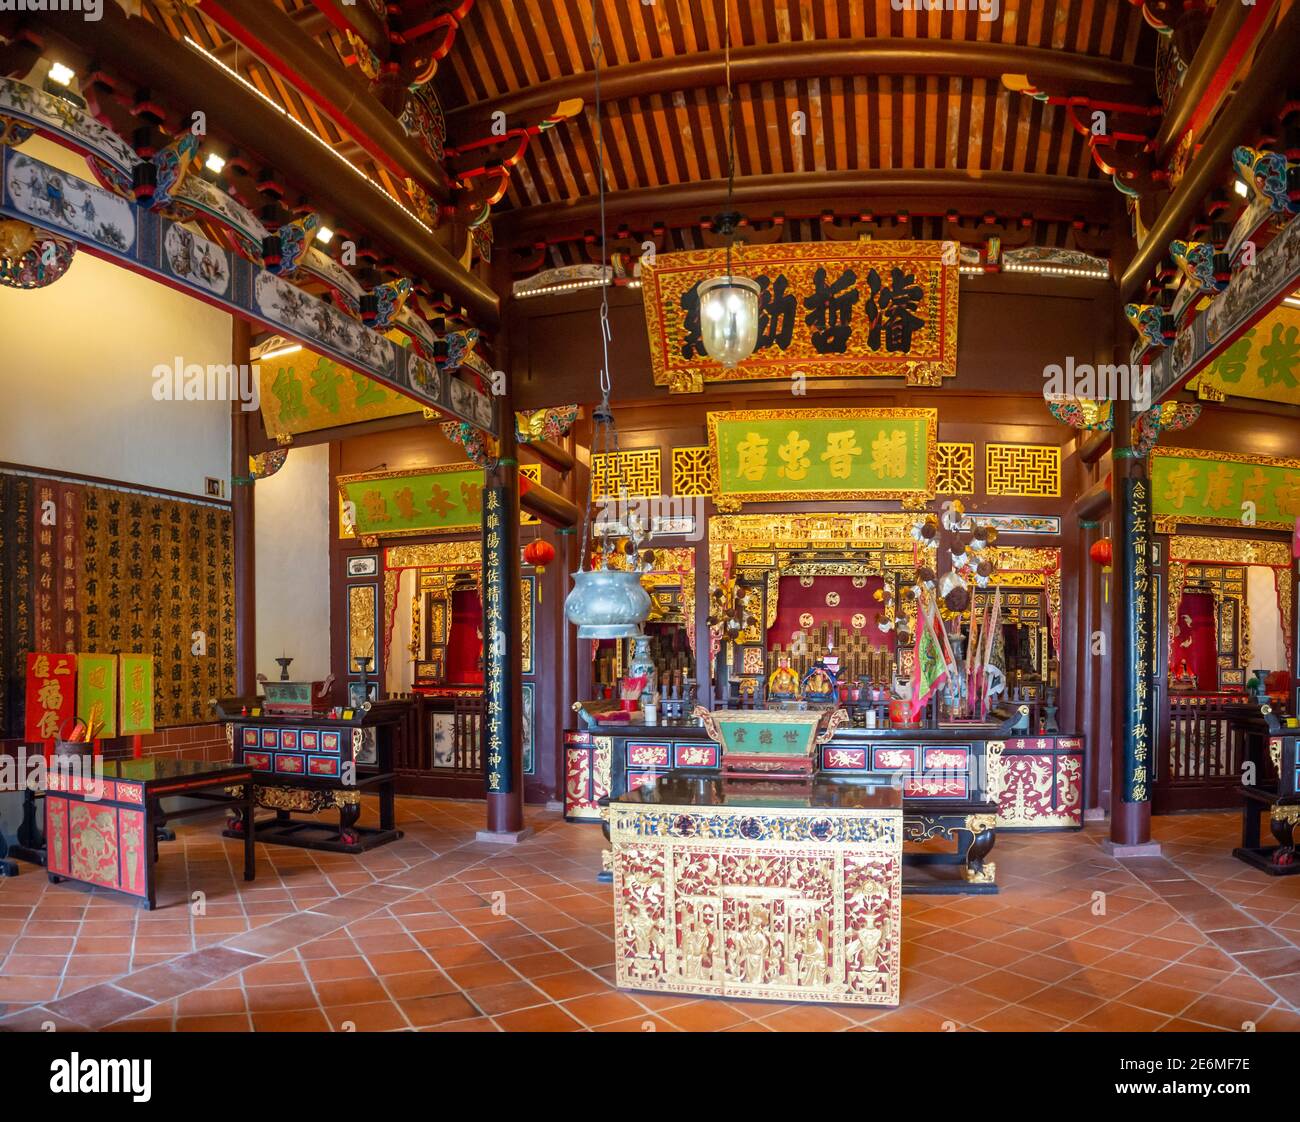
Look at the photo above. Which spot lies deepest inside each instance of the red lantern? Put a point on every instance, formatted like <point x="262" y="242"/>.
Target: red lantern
<point x="539" y="553"/>
<point x="1101" y="552"/>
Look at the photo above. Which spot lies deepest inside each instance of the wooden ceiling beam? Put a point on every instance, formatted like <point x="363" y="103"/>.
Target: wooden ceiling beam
<point x="266" y="30"/>
<point x="919" y="191"/>
<point x="1263" y="90"/>
<point x="144" y="54"/>
<point x="1227" y="41"/>
<point x="818" y="58"/>
<point x="367" y="25"/>
<point x="310" y="21"/>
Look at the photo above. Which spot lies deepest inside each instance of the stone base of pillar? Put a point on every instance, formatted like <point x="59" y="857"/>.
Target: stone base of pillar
<point x="1095" y="814"/>
<point x="555" y="807"/>
<point x="1145" y="849"/>
<point x="503" y="837"/>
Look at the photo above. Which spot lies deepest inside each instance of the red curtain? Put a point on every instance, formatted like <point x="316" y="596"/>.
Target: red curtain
<point x="1201" y="653"/>
<point x="464" y="643"/>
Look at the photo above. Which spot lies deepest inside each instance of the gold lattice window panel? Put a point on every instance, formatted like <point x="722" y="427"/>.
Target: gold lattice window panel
<point x="533" y="472"/>
<point x="691" y="471"/>
<point x="637" y="470"/>
<point x="1027" y="470"/>
<point x="955" y="464"/>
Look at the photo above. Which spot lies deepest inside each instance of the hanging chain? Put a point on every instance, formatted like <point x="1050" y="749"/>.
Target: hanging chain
<point x="731" y="124"/>
<point x="604" y="433"/>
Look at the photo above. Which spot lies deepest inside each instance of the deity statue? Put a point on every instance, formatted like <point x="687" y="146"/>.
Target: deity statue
<point x="783" y="681"/>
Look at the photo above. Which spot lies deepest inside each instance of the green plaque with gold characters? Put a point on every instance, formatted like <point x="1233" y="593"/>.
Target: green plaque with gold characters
<point x="788" y="455"/>
<point x="435" y="500"/>
<point x="136" y="699"/>
<point x="1217" y="489"/>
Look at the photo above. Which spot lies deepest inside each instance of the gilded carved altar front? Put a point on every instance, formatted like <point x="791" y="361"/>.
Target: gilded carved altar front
<point x="789" y="906"/>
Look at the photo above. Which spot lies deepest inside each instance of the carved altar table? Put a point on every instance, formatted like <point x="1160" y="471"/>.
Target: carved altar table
<point x="102" y="828"/>
<point x="760" y="889"/>
<point x="314" y="762"/>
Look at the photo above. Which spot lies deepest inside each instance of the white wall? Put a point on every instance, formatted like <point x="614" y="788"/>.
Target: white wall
<point x="292" y="557"/>
<point x="76" y="369"/>
<point x="1267" y="646"/>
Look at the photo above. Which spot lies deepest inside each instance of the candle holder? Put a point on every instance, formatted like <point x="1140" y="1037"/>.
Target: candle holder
<point x="363" y="667"/>
<point x="284" y="661"/>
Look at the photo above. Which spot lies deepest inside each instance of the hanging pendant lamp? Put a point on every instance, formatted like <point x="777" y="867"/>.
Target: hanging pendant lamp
<point x="729" y="303"/>
<point x="729" y="318"/>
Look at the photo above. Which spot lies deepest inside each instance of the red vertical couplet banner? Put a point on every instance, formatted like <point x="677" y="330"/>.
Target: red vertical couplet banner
<point x="51" y="694"/>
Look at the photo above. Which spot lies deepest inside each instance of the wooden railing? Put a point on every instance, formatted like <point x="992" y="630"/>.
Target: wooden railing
<point x="467" y="734"/>
<point x="439" y="751"/>
<point x="1206" y="744"/>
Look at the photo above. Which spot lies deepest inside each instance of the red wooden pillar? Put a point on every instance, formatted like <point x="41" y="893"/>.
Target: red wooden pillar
<point x="503" y="611"/>
<point x="242" y="530"/>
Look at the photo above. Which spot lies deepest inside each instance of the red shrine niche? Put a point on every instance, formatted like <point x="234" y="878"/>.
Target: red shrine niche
<point x="465" y="639"/>
<point x="1196" y="646"/>
<point x="831" y="615"/>
<point x="845" y="602"/>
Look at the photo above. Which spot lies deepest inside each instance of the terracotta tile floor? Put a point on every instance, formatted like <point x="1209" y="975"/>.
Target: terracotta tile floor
<point x="442" y="933"/>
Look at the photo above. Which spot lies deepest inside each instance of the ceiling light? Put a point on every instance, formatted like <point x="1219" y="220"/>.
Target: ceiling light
<point x="61" y="74"/>
<point x="324" y="235"/>
<point x="729" y="304"/>
<point x="279" y="353"/>
<point x="214" y="163"/>
<point x="1240" y="186"/>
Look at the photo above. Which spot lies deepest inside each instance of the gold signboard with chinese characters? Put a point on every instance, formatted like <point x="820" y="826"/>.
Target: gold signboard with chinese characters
<point x="826" y="310"/>
<point x="789" y="455"/>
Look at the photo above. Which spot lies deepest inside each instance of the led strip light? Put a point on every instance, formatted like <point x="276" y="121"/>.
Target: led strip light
<point x="570" y="286"/>
<point x="1057" y="270"/>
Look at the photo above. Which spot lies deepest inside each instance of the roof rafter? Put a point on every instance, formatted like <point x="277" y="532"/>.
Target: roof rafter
<point x="918" y="191"/>
<point x="818" y="58"/>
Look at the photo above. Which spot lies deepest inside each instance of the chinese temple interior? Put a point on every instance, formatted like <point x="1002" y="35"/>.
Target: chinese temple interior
<point x="676" y="515"/>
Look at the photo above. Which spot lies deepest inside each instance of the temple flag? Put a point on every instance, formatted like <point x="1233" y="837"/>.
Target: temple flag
<point x="931" y="667"/>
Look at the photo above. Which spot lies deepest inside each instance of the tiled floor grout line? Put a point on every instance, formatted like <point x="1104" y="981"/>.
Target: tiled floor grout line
<point x="570" y="913"/>
<point x="1279" y="1002"/>
<point x="1249" y="921"/>
<point x="119" y="983"/>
